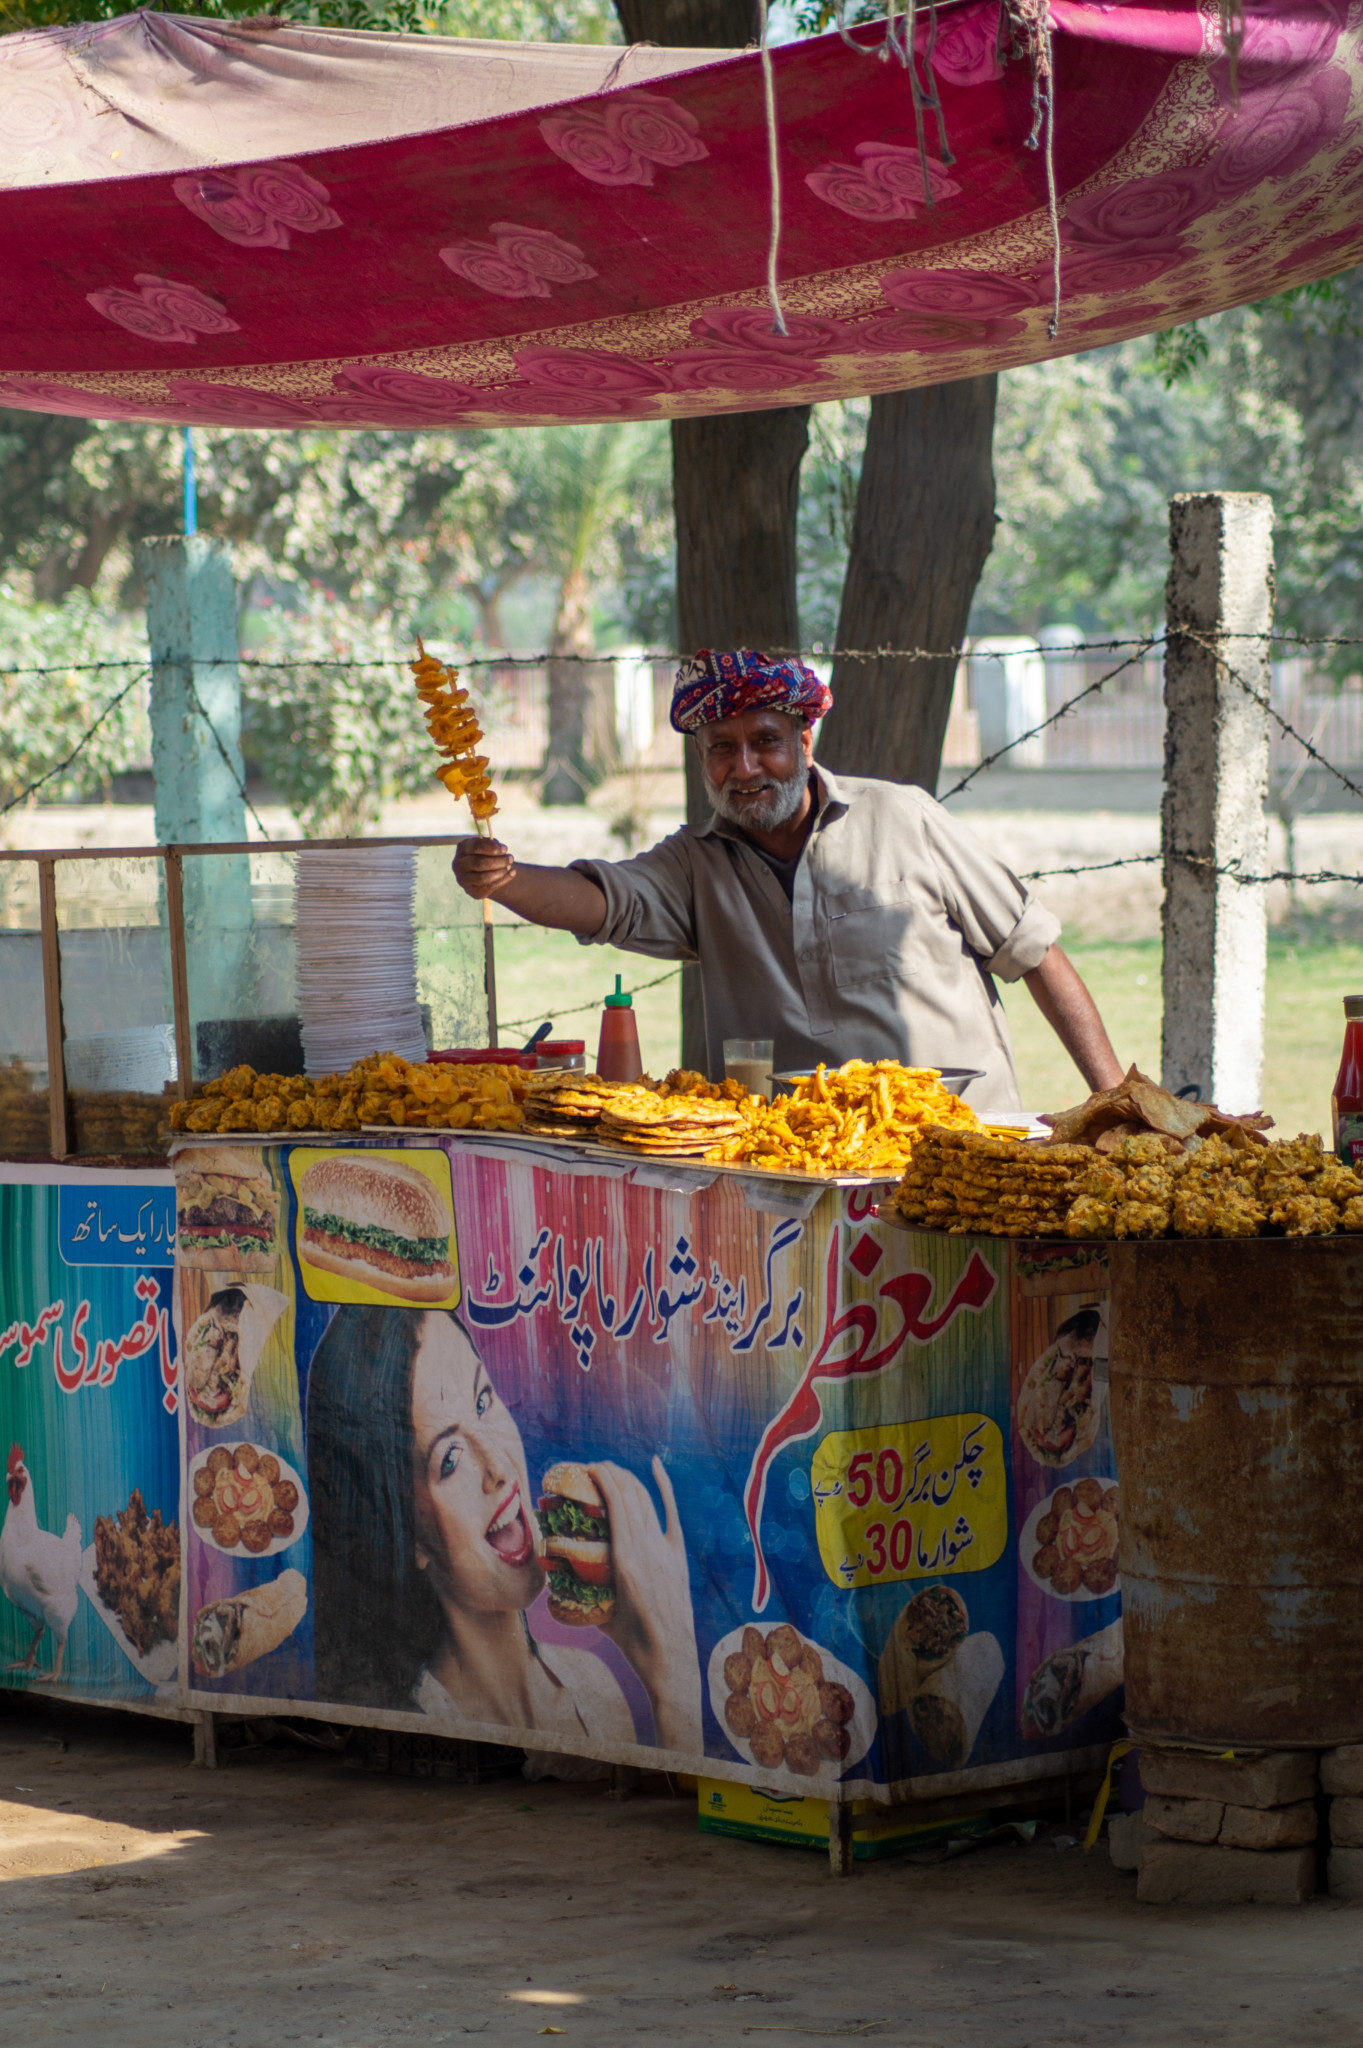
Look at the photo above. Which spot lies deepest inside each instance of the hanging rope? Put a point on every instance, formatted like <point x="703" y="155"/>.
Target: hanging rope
<point x="924" y="91"/>
<point x="774" y="171"/>
<point x="1232" y="41"/>
<point x="924" y="94"/>
<point x="1032" y="21"/>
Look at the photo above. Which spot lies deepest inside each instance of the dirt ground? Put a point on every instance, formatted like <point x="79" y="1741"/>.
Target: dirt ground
<point x="147" y="1904"/>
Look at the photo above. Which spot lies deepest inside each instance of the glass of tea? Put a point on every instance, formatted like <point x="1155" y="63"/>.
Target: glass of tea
<point x="749" y="1062"/>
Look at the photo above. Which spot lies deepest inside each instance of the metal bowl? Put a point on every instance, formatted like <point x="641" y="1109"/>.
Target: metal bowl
<point x="954" y="1078"/>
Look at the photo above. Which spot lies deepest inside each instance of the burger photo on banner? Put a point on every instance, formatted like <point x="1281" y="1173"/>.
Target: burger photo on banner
<point x="375" y="1226"/>
<point x="227" y="1210"/>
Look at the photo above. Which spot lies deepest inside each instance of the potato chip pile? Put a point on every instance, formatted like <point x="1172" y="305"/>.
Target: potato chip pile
<point x="444" y="1097"/>
<point x="1001" y="1187"/>
<point x="857" y="1118"/>
<point x="383" y="1089"/>
<point x="453" y="725"/>
<point x="1233" y="1184"/>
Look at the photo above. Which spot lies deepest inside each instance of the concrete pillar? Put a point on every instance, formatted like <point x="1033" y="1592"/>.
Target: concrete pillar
<point x="195" y="695"/>
<point x="1220" y="588"/>
<point x="192" y="630"/>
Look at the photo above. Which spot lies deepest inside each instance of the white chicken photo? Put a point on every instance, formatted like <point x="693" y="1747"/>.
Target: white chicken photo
<point x="39" y="1572"/>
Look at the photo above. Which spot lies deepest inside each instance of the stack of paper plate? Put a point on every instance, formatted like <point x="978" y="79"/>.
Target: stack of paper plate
<point x="356" y="956"/>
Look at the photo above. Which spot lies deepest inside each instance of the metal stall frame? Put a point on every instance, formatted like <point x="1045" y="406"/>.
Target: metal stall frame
<point x="47" y="859"/>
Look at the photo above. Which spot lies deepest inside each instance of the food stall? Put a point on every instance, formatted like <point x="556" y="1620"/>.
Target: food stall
<point x="657" y="1428"/>
<point x="832" y="1583"/>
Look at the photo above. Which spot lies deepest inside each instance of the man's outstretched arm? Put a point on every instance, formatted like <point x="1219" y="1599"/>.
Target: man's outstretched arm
<point x="561" y="898"/>
<point x="1072" y="1014"/>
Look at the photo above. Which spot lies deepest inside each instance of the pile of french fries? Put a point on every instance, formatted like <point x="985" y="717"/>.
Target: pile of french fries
<point x="862" y="1117"/>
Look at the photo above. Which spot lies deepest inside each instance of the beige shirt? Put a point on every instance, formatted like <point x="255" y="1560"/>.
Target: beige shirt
<point x="900" y="923"/>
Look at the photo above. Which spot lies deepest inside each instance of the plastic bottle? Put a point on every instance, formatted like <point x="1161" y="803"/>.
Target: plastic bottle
<point x="1346" y="1104"/>
<point x="617" y="1056"/>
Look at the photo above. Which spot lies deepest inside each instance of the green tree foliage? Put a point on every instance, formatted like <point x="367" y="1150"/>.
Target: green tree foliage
<point x="398" y="522"/>
<point x="1089" y="449"/>
<point x="336" y="743"/>
<point x="527" y="21"/>
<point x="345" y="545"/>
<point x="49" y="697"/>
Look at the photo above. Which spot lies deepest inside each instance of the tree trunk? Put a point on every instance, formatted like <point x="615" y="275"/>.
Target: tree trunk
<point x="735" y="479"/>
<point x="566" y="775"/>
<point x="689" y="24"/>
<point x="103" y="530"/>
<point x="736" y="496"/>
<point x="924" y="525"/>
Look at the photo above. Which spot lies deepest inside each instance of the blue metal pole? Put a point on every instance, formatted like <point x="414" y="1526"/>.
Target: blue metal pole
<point x="191" y="494"/>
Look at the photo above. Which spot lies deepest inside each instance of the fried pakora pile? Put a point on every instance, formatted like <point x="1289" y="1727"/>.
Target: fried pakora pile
<point x="383" y="1089"/>
<point x="1223" y="1186"/>
<point x="137" y="1572"/>
<point x="683" y="1081"/>
<point x="453" y="724"/>
<point x="963" y="1181"/>
<point x="862" y="1117"/>
<point x="1230" y="1185"/>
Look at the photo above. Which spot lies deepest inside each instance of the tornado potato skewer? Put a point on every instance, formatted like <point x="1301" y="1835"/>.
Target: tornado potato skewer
<point x="453" y="726"/>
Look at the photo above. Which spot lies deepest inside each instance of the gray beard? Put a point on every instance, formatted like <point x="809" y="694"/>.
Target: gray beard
<point x="783" y="800"/>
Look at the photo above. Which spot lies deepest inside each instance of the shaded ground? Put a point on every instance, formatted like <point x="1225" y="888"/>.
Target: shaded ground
<point x="144" y="1904"/>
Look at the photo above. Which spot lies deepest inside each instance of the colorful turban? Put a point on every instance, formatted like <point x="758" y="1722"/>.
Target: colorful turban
<point x="715" y="686"/>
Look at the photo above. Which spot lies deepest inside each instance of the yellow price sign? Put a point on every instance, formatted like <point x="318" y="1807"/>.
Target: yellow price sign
<point x="912" y="1500"/>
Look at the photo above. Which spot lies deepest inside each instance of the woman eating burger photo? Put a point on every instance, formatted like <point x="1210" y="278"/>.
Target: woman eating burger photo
<point x="428" y="1553"/>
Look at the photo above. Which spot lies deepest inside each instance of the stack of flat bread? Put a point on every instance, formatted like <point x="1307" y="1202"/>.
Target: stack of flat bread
<point x="564" y="1104"/>
<point x="666" y="1126"/>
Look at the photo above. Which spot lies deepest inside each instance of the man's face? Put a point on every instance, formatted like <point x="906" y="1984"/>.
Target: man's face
<point x="756" y="767"/>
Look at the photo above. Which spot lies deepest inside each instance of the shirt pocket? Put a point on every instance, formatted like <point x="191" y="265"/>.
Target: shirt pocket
<point x="869" y="935"/>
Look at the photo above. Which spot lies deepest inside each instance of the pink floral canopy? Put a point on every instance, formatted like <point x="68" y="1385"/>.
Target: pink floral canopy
<point x="497" y="234"/>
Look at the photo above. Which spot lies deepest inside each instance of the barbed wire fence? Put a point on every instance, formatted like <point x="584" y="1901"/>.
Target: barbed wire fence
<point x="1133" y="650"/>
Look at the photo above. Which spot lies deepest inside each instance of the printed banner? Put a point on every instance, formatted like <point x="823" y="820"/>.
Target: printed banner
<point x="90" y="1541"/>
<point x="555" y="1459"/>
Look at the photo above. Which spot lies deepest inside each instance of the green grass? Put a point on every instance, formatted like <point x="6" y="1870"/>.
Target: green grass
<point x="1309" y="970"/>
<point x="1310" y="967"/>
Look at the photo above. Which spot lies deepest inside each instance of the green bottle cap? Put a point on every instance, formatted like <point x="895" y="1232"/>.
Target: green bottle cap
<point x="619" y="1001"/>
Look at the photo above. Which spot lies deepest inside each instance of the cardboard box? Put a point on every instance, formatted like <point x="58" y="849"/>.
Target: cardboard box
<point x="756" y="1815"/>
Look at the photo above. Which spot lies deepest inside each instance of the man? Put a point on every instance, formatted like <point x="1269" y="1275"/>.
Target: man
<point x="841" y="917"/>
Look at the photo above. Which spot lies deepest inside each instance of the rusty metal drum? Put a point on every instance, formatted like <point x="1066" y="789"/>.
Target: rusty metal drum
<point x="1237" y="1414"/>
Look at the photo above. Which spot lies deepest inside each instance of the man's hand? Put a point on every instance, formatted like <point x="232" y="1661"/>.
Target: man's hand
<point x="482" y="867"/>
<point x="560" y="898"/>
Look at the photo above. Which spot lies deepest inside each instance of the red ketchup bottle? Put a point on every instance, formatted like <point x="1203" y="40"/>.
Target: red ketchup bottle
<point x="617" y="1056"/>
<point x="1346" y="1104"/>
